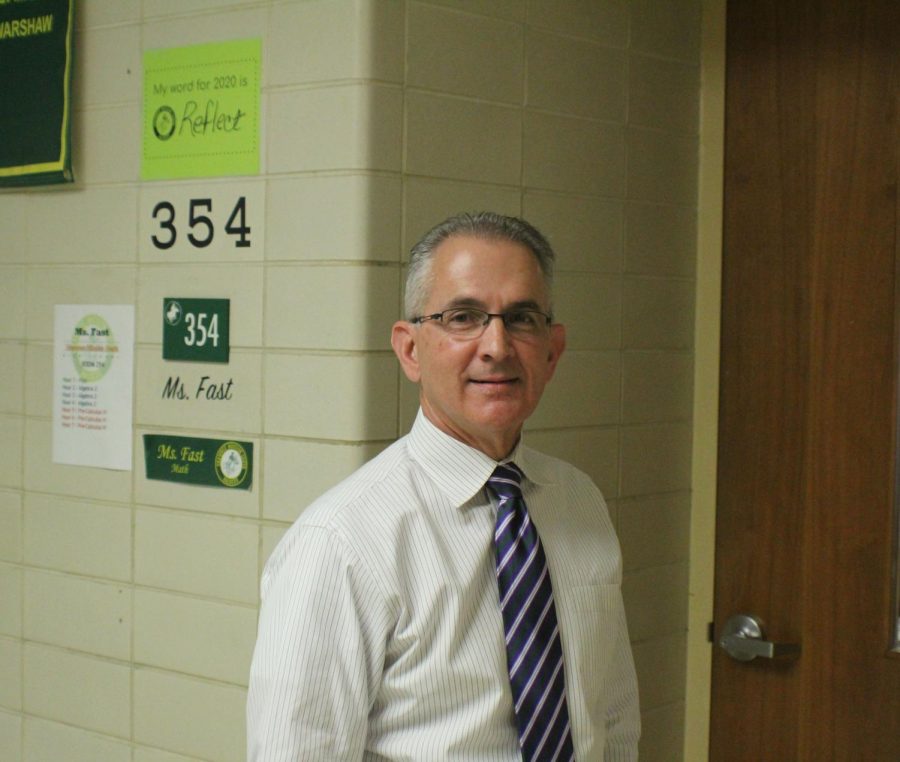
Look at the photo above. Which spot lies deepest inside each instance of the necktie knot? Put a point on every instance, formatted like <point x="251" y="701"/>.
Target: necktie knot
<point x="506" y="481"/>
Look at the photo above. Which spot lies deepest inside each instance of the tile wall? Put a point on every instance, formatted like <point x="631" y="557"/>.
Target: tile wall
<point x="128" y="606"/>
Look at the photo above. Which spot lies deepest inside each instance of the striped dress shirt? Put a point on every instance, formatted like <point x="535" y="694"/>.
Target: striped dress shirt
<point x="380" y="636"/>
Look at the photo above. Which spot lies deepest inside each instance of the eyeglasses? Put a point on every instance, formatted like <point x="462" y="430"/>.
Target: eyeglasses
<point x="470" y="323"/>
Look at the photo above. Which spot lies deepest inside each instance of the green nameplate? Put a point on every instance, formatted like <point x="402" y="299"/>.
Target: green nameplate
<point x="195" y="329"/>
<point x="191" y="460"/>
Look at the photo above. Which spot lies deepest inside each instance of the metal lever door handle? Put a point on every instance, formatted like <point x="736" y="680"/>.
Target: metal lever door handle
<point x="743" y="639"/>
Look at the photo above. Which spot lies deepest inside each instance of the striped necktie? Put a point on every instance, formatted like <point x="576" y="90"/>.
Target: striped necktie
<point x="533" y="648"/>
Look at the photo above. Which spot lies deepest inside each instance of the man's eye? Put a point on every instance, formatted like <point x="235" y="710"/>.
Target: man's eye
<point x="522" y="318"/>
<point x="463" y="317"/>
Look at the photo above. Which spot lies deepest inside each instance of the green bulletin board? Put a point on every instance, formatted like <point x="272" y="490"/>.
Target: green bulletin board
<point x="35" y="86"/>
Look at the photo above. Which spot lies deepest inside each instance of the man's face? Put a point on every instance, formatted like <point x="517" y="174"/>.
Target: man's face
<point x="480" y="391"/>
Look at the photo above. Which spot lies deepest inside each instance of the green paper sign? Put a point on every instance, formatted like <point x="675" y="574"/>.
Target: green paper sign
<point x="35" y="84"/>
<point x="196" y="329"/>
<point x="201" y="110"/>
<point x="191" y="460"/>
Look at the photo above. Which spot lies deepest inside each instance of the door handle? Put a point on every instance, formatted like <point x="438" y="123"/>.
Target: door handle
<point x="743" y="639"/>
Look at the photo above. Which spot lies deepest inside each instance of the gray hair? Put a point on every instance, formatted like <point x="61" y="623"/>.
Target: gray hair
<point x="486" y="225"/>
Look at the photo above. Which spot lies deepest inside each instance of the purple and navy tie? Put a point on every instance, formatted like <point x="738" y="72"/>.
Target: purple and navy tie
<point x="533" y="648"/>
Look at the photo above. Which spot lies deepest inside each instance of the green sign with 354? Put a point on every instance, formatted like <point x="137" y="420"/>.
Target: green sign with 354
<point x="195" y="329"/>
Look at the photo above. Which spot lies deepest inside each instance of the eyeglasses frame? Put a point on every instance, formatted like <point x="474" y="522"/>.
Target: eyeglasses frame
<point x="438" y="316"/>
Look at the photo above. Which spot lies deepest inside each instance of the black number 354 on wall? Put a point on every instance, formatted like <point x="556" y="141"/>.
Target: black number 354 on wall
<point x="200" y="224"/>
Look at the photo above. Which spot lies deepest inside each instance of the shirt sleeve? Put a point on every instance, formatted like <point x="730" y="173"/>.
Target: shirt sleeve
<point x="319" y="652"/>
<point x="623" y="718"/>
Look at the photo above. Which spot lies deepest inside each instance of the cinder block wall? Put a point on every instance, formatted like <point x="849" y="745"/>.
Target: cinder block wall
<point x="128" y="606"/>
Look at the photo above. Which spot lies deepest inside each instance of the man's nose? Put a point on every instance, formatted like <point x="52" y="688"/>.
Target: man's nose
<point x="495" y="341"/>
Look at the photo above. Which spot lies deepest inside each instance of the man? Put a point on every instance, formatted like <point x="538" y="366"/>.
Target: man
<point x="458" y="597"/>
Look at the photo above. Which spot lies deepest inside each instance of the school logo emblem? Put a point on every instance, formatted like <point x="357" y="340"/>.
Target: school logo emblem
<point x="164" y="122"/>
<point x="174" y="313"/>
<point x="232" y="464"/>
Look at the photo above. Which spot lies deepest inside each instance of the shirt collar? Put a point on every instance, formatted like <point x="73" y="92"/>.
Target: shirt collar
<point x="536" y="466"/>
<point x="461" y="471"/>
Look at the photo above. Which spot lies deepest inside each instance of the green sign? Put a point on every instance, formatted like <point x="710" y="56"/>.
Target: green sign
<point x="201" y="110"/>
<point x="35" y="85"/>
<point x="195" y="329"/>
<point x="191" y="460"/>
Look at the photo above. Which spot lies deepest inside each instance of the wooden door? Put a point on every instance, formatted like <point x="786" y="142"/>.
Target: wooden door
<point x="806" y="483"/>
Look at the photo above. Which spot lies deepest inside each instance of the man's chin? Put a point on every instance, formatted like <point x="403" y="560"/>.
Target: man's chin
<point x="501" y="415"/>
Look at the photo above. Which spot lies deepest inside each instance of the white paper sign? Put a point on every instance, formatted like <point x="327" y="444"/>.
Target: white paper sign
<point x="93" y="372"/>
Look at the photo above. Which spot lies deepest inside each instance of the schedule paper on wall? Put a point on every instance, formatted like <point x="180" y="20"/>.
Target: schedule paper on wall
<point x="93" y="372"/>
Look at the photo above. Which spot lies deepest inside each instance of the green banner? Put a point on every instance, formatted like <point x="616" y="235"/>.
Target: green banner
<point x="201" y="110"/>
<point x="35" y="86"/>
<point x="191" y="460"/>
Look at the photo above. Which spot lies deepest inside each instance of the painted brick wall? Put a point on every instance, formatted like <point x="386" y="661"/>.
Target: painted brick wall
<point x="128" y="606"/>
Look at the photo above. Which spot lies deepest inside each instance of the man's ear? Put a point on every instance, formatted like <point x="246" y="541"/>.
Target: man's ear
<point x="557" y="347"/>
<point x="403" y="340"/>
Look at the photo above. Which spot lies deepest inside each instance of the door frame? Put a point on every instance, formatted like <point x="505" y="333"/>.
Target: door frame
<point x="707" y="321"/>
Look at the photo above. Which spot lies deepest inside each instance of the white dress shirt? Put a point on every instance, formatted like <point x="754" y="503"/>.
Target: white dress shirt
<point x="380" y="636"/>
